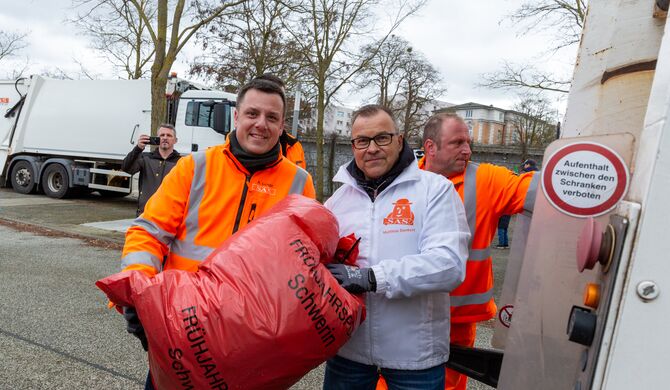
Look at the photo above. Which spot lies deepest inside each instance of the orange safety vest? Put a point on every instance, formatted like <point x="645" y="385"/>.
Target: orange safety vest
<point x="292" y="149"/>
<point x="206" y="198"/>
<point x="488" y="192"/>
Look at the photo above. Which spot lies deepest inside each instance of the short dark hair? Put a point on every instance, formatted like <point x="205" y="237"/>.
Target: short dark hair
<point x="371" y="109"/>
<point x="272" y="77"/>
<point x="431" y="131"/>
<point x="167" y="126"/>
<point x="262" y="85"/>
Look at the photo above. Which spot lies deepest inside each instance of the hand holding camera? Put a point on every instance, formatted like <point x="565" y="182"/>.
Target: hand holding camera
<point x="145" y="140"/>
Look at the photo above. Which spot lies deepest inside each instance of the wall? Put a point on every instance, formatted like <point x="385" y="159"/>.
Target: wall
<point x="507" y="156"/>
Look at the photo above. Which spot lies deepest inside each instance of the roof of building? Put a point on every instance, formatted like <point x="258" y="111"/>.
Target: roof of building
<point x="469" y="105"/>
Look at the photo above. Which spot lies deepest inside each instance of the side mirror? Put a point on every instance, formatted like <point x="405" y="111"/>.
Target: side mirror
<point x="222" y="117"/>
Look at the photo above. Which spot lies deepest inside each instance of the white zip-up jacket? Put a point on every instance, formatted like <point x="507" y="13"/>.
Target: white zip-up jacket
<point x="414" y="236"/>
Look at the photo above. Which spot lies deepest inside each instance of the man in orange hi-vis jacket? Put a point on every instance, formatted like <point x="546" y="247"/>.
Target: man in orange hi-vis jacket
<point x="292" y="149"/>
<point x="210" y="195"/>
<point x="488" y="191"/>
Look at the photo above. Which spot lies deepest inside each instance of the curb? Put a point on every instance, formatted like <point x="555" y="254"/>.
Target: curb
<point x="106" y="243"/>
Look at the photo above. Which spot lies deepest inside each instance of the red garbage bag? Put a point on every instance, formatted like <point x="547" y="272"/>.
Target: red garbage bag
<point x="261" y="311"/>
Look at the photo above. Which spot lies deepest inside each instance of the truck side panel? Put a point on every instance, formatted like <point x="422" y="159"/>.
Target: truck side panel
<point x="92" y="119"/>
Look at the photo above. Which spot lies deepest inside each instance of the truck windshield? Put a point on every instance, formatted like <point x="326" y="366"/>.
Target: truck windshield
<point x="198" y="114"/>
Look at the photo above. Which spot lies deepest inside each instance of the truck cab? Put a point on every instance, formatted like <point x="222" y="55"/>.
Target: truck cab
<point x="197" y="118"/>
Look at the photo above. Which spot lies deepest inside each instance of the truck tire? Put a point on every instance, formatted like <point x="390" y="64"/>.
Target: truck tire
<point x="55" y="181"/>
<point x="23" y="177"/>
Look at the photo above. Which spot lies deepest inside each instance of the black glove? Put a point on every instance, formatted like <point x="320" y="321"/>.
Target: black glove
<point x="134" y="326"/>
<point x="353" y="279"/>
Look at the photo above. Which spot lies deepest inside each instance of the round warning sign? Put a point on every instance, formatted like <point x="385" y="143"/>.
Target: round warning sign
<point x="505" y="315"/>
<point x="584" y="179"/>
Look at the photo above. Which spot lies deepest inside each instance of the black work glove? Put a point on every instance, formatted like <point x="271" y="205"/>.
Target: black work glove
<point x="353" y="279"/>
<point x="134" y="326"/>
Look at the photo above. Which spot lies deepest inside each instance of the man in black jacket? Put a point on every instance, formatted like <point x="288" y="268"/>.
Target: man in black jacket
<point x="152" y="166"/>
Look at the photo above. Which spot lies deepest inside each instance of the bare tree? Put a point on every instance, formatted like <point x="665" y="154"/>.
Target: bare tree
<point x="11" y="43"/>
<point x="384" y="70"/>
<point x="169" y="37"/>
<point x="524" y="76"/>
<point x="404" y="81"/>
<point x="119" y="33"/>
<point x="420" y="85"/>
<point x="533" y="123"/>
<point x="565" y="19"/>
<point x="248" y="43"/>
<point x="325" y="31"/>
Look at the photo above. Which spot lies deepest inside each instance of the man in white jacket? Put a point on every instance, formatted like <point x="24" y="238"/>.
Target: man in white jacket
<point x="414" y="243"/>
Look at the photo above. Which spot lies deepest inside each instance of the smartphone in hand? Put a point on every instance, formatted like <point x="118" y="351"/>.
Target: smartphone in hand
<point x="154" y="140"/>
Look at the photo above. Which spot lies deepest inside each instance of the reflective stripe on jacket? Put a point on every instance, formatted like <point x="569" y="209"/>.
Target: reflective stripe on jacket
<point x="206" y="198"/>
<point x="488" y="192"/>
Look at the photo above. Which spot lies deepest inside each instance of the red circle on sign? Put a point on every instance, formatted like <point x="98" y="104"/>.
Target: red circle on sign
<point x="505" y="315"/>
<point x="614" y="159"/>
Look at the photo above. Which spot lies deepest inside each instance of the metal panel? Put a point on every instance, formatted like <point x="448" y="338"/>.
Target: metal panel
<point x="638" y="354"/>
<point x="538" y="354"/>
<point x="84" y="118"/>
<point x="109" y="188"/>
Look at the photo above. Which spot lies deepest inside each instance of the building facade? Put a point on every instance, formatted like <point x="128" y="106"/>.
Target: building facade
<point x="337" y="120"/>
<point x="488" y="125"/>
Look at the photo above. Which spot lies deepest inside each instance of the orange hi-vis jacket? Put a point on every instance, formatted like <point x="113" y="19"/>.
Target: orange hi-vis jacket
<point x="488" y="192"/>
<point x="292" y="149"/>
<point x="206" y="198"/>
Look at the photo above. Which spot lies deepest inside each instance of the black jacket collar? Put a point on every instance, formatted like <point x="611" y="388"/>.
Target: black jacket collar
<point x="157" y="155"/>
<point x="374" y="186"/>
<point x="253" y="162"/>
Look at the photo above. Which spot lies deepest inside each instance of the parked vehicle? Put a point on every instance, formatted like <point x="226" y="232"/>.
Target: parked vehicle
<point x="68" y="136"/>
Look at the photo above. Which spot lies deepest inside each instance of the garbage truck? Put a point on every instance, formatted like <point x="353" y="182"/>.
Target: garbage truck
<point x="586" y="298"/>
<point x="65" y="137"/>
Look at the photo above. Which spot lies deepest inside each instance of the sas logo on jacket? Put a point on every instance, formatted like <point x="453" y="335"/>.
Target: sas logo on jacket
<point x="263" y="188"/>
<point x="401" y="215"/>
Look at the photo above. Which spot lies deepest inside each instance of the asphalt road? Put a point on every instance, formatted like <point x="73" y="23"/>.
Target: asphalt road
<point x="55" y="329"/>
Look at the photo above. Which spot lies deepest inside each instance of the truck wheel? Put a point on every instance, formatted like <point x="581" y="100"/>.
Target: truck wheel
<point x="55" y="181"/>
<point x="23" y="177"/>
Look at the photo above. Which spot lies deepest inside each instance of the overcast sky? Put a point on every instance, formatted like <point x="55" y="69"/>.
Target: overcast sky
<point x="463" y="39"/>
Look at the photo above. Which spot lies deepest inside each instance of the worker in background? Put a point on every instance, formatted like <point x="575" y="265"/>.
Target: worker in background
<point x="529" y="165"/>
<point x="413" y="245"/>
<point x="152" y="166"/>
<point x="291" y="148"/>
<point x="488" y="192"/>
<point x="212" y="194"/>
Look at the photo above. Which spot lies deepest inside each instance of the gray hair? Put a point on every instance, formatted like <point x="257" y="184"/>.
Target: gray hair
<point x="167" y="126"/>
<point x="371" y="109"/>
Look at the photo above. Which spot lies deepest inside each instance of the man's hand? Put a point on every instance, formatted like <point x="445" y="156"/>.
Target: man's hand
<point x="134" y="326"/>
<point x="142" y="141"/>
<point x="353" y="279"/>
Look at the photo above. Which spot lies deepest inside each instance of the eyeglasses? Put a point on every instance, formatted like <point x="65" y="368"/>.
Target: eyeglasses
<point x="381" y="139"/>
